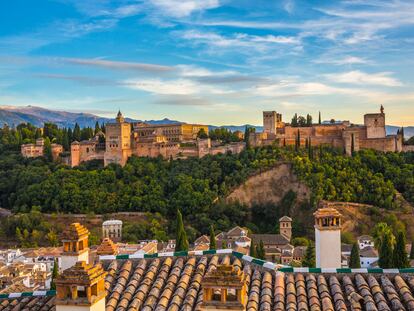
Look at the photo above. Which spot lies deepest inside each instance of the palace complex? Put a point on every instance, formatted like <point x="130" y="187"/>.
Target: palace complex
<point x="123" y="139"/>
<point x="370" y="135"/>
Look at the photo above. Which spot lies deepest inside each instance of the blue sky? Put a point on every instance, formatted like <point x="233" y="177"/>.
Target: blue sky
<point x="210" y="61"/>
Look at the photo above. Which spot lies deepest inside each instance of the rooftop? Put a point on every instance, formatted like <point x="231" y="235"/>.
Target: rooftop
<point x="160" y="282"/>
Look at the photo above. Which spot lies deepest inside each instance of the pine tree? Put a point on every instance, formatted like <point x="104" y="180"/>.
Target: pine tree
<point x="310" y="150"/>
<point x="181" y="243"/>
<point x="309" y="259"/>
<point x="320" y="120"/>
<point x="212" y="238"/>
<point x="385" y="252"/>
<point x="354" y="261"/>
<point x="76" y="133"/>
<point x="97" y="128"/>
<point x="54" y="275"/>
<point x="400" y="258"/>
<point x="412" y="251"/>
<point x="253" y="250"/>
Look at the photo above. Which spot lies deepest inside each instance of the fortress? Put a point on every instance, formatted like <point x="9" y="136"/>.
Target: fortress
<point x="343" y="134"/>
<point x="124" y="139"/>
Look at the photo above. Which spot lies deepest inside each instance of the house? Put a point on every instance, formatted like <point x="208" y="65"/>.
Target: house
<point x="368" y="256"/>
<point x="364" y="241"/>
<point x="273" y="244"/>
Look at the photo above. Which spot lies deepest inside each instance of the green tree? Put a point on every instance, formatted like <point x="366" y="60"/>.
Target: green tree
<point x="385" y="260"/>
<point x="294" y="122"/>
<point x="97" y="128"/>
<point x="202" y="134"/>
<point x="319" y="120"/>
<point x="181" y="236"/>
<point x="253" y="250"/>
<point x="309" y="259"/>
<point x="308" y="120"/>
<point x="76" y="133"/>
<point x="380" y="231"/>
<point x="352" y="144"/>
<point x="54" y="275"/>
<point x="52" y="238"/>
<point x="400" y="257"/>
<point x="354" y="261"/>
<point x="212" y="238"/>
<point x="47" y="149"/>
<point x="260" y="251"/>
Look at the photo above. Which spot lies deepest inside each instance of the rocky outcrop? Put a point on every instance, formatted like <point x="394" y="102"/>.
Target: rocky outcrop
<point x="270" y="187"/>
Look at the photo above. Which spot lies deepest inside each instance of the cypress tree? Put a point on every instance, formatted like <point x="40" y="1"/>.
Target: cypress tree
<point x="352" y="144"/>
<point x="54" y="275"/>
<point x="320" y="121"/>
<point x="253" y="250"/>
<point x="76" y="133"/>
<point x="212" y="238"/>
<point x="65" y="139"/>
<point x="310" y="150"/>
<point x="412" y="251"/>
<point x="354" y="261"/>
<point x="181" y="236"/>
<point x="97" y="127"/>
<point x="309" y="259"/>
<point x="306" y="143"/>
<point x="400" y="257"/>
<point x="260" y="252"/>
<point x="47" y="149"/>
<point x="246" y="136"/>
<point x="385" y="252"/>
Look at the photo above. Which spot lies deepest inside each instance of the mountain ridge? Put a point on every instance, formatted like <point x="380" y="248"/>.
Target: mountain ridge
<point x="14" y="115"/>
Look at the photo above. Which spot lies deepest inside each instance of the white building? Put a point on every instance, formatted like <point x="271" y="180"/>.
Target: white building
<point x="365" y="241"/>
<point x="328" y="238"/>
<point x="112" y="229"/>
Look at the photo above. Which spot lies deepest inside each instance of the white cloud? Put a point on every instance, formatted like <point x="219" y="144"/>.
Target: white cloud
<point x="183" y="8"/>
<point x="172" y="87"/>
<point x="359" y="77"/>
<point x="118" y="65"/>
<point x="289" y="6"/>
<point x="347" y="60"/>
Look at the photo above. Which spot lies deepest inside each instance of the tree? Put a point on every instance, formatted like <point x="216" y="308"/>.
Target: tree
<point x="352" y="144"/>
<point x="400" y="257"/>
<point x="253" y="250"/>
<point x="309" y="259"/>
<point x="385" y="260"/>
<point x="54" y="275"/>
<point x="212" y="238"/>
<point x="320" y="120"/>
<point x="181" y="243"/>
<point x="297" y="143"/>
<point x="354" y="261"/>
<point x="294" y="122"/>
<point x="310" y="149"/>
<point x="302" y="121"/>
<point x="52" y="238"/>
<point x="380" y="230"/>
<point x="412" y="251"/>
<point x="202" y="134"/>
<point x="47" y="149"/>
<point x="260" y="251"/>
<point x="76" y="133"/>
<point x="308" y="120"/>
<point x="97" y="128"/>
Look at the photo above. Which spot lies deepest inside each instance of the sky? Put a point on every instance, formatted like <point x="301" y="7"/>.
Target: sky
<point x="210" y="61"/>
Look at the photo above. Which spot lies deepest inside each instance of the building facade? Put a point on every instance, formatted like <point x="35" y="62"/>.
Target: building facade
<point x="38" y="148"/>
<point x="350" y="137"/>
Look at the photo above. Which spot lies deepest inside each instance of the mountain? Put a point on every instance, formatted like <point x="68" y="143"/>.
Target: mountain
<point x="38" y="116"/>
<point x="14" y="115"/>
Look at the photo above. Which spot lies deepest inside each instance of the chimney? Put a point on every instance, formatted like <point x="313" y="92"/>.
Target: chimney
<point x="224" y="289"/>
<point x="81" y="288"/>
<point x="328" y="238"/>
<point x="107" y="247"/>
<point x="75" y="246"/>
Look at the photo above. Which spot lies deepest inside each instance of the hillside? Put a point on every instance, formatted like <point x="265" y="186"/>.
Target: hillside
<point x="270" y="187"/>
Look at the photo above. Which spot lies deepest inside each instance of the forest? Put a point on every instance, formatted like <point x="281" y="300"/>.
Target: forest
<point x="195" y="186"/>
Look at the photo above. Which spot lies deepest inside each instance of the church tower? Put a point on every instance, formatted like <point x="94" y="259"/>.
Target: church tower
<point x="75" y="246"/>
<point x="285" y="227"/>
<point x="118" y="141"/>
<point x="81" y="288"/>
<point x="328" y="238"/>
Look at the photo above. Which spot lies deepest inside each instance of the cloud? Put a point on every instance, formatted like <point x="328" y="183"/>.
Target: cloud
<point x="347" y="60"/>
<point x="289" y="6"/>
<point x="182" y="8"/>
<point x="359" y="77"/>
<point x="119" y="65"/>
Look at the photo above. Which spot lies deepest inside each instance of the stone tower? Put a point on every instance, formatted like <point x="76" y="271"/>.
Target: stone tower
<point x="328" y="238"/>
<point x="375" y="124"/>
<point x="81" y="288"/>
<point x="271" y="120"/>
<point x="74" y="153"/>
<point x="75" y="246"/>
<point x="118" y="141"/>
<point x="285" y="227"/>
<point x="224" y="289"/>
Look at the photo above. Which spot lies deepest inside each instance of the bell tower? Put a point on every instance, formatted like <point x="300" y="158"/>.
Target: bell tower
<point x="75" y="246"/>
<point x="285" y="227"/>
<point x="328" y="223"/>
<point x="224" y="289"/>
<point x="81" y="288"/>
